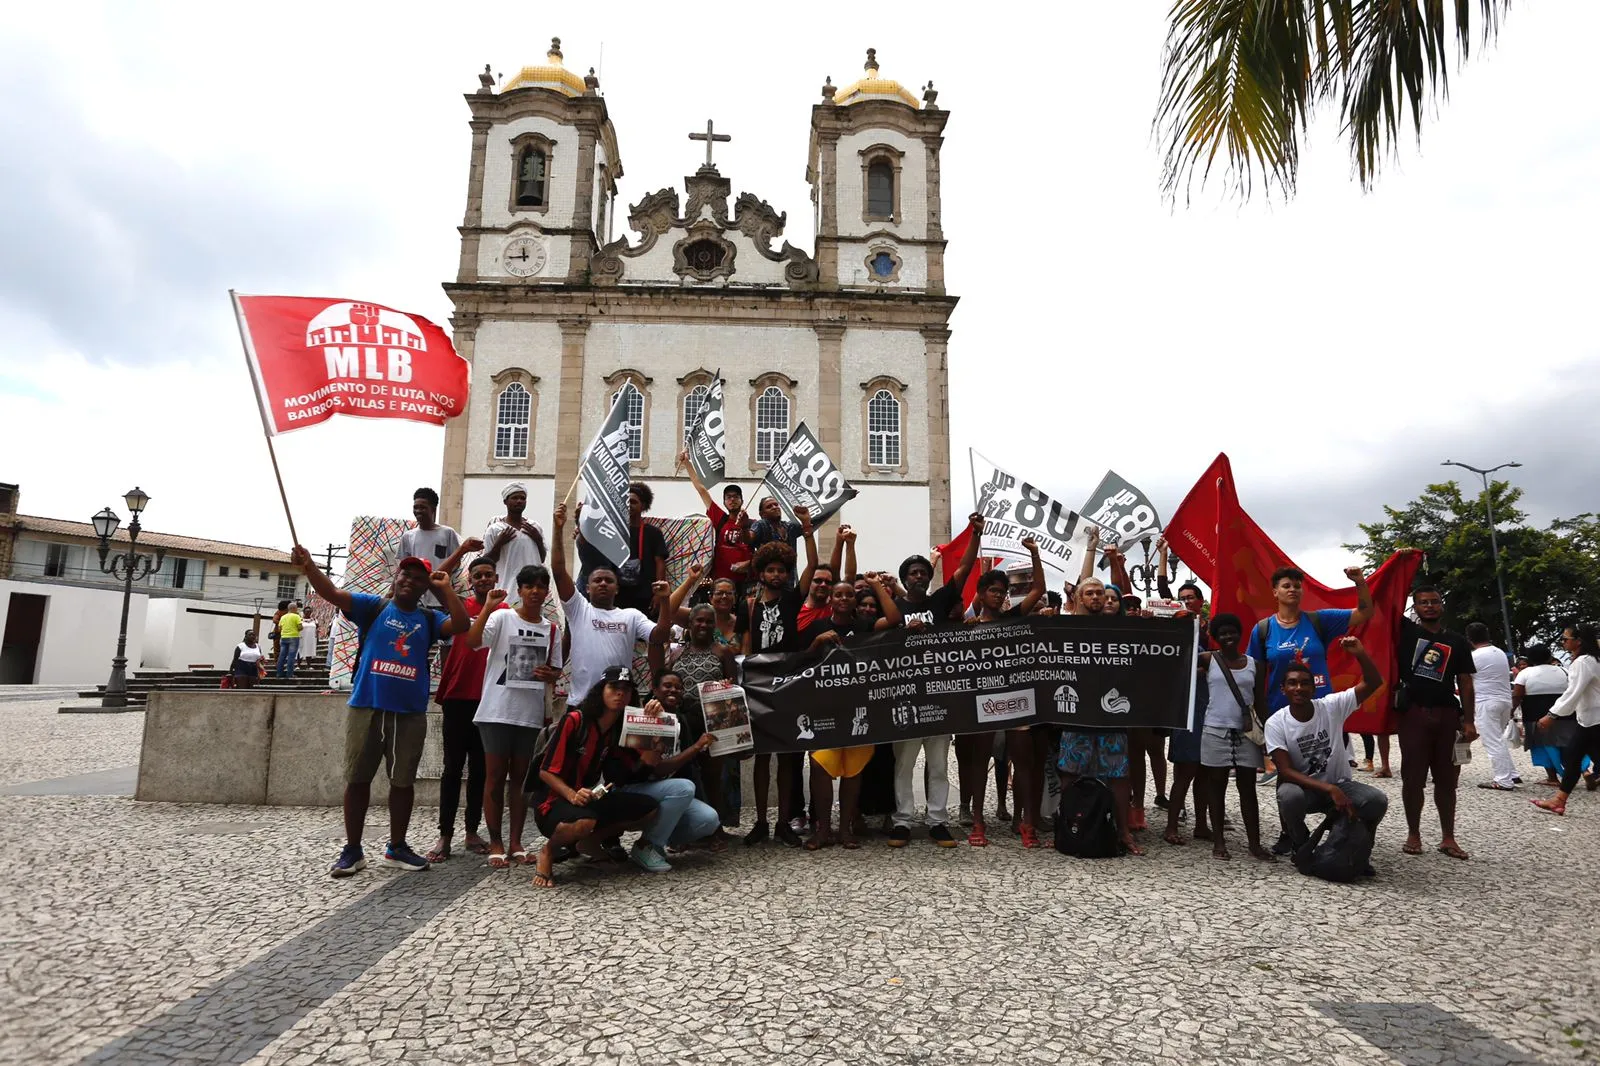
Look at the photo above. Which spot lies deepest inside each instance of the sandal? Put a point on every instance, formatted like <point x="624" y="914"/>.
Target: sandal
<point x="1452" y="850"/>
<point x="544" y="880"/>
<point x="1030" y="837"/>
<point x="477" y="845"/>
<point x="977" y="838"/>
<point x="498" y="860"/>
<point x="1411" y="849"/>
<point x="520" y="858"/>
<point x="850" y="843"/>
<point x="1495" y="786"/>
<point x="1383" y="773"/>
<point x="1551" y="806"/>
<point x="1136" y="820"/>
<point x="440" y="852"/>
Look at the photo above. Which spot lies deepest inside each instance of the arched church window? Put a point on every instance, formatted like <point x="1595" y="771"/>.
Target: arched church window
<point x="531" y="172"/>
<point x="772" y="423"/>
<point x="883" y="429"/>
<point x="694" y="401"/>
<point x="635" y="415"/>
<point x="513" y="413"/>
<point x="880" y="189"/>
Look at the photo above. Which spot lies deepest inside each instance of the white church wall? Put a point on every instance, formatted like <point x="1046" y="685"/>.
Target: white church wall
<point x="666" y="352"/>
<point x="498" y="166"/>
<point x="913" y="183"/>
<point x="891" y="523"/>
<point x="750" y="267"/>
<point x="179" y="634"/>
<point x="854" y="273"/>
<point x="531" y="346"/>
<point x="897" y="353"/>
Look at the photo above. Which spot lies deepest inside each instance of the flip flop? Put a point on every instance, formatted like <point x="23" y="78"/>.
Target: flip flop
<point x="499" y="861"/>
<point x="438" y="854"/>
<point x="1550" y="807"/>
<point x="1495" y="786"/>
<point x="520" y="858"/>
<point x="1410" y="849"/>
<point x="1383" y="773"/>
<point x="544" y="880"/>
<point x="1452" y="850"/>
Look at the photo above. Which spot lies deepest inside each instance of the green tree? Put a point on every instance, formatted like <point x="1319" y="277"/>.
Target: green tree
<point x="1243" y="77"/>
<point x="1551" y="575"/>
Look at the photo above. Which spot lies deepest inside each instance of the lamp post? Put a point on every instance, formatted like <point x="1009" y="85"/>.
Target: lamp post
<point x="1494" y="542"/>
<point x="1146" y="575"/>
<point x="127" y="566"/>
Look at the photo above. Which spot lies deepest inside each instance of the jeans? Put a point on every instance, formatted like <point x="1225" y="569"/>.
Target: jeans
<point x="936" y="776"/>
<point x="288" y="655"/>
<point x="1491" y="718"/>
<point x="1294" y="803"/>
<point x="681" y="818"/>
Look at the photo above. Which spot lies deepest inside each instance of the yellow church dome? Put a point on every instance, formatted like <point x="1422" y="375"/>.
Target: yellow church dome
<point x="551" y="75"/>
<point x="873" y="87"/>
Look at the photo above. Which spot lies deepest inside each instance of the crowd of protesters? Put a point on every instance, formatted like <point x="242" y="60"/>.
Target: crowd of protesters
<point x="1264" y="714"/>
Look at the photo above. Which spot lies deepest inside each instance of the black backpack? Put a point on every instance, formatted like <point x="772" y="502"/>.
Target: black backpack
<point x="1343" y="856"/>
<point x="1086" y="821"/>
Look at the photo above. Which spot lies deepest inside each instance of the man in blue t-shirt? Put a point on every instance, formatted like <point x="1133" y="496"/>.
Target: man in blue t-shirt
<point x="387" y="720"/>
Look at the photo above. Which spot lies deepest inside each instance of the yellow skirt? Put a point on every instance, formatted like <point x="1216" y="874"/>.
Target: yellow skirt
<point x="843" y="762"/>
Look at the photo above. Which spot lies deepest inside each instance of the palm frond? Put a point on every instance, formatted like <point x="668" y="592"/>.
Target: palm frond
<point x="1241" y="78"/>
<point x="1400" y="64"/>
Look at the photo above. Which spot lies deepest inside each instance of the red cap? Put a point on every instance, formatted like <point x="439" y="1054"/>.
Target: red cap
<point x="412" y="560"/>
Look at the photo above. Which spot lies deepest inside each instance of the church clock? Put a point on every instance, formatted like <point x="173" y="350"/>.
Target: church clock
<point x="524" y="257"/>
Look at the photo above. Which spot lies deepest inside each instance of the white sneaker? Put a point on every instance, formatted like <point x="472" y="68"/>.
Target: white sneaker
<point x="647" y="858"/>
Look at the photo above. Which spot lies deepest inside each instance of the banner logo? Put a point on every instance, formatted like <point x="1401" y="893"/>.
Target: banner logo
<point x="1067" y="699"/>
<point x="1114" y="702"/>
<point x="1001" y="706"/>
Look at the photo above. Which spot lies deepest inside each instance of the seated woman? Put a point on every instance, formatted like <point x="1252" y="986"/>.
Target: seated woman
<point x="570" y="809"/>
<point x="700" y="658"/>
<point x="681" y="819"/>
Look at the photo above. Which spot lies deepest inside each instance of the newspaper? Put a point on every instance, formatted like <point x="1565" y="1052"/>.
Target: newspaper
<point x="1166" y="608"/>
<point x="727" y="717"/>
<point x="650" y="732"/>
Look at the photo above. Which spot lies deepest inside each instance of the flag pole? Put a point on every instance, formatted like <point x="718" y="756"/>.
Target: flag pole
<point x="266" y="425"/>
<point x="572" y="488"/>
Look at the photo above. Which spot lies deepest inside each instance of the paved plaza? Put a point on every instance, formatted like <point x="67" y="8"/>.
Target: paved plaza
<point x="138" y="933"/>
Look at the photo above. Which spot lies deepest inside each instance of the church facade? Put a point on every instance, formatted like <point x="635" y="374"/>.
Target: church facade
<point x="556" y="316"/>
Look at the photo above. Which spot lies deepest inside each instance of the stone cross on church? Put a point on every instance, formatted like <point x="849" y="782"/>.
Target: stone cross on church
<point x="710" y="136"/>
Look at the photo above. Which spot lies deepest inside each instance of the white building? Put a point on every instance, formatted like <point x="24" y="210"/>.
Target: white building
<point x="60" y="613"/>
<point x="555" y="316"/>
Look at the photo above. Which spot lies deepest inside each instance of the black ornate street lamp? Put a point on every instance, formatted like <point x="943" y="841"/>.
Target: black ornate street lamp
<point x="1146" y="575"/>
<point x="1494" y="541"/>
<point x="128" y="566"/>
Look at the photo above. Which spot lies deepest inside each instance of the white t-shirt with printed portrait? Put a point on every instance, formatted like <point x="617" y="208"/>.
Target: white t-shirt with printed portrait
<point x="516" y="648"/>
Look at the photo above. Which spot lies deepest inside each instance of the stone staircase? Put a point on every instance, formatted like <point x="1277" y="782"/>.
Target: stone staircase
<point x="310" y="675"/>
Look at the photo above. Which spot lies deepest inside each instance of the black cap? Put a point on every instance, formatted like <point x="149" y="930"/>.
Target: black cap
<point x="619" y="675"/>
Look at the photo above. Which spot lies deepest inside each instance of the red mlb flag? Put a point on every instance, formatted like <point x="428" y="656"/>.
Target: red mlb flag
<point x="1236" y="558"/>
<point x="316" y="357"/>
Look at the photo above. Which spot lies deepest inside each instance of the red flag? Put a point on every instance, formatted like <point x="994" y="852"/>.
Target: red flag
<point x="1221" y="543"/>
<point x="950" y="556"/>
<point x="316" y="357"/>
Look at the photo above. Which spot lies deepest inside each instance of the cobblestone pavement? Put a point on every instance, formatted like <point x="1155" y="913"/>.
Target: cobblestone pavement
<point x="150" y="933"/>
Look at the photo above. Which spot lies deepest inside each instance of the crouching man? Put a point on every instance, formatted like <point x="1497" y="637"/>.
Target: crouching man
<point x="1305" y="742"/>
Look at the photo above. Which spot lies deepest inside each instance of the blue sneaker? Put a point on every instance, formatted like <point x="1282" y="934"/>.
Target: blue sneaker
<point x="402" y="857"/>
<point x="351" y="860"/>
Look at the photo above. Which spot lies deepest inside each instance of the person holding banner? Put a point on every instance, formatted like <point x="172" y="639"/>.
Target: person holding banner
<point x="602" y="635"/>
<point x="839" y="626"/>
<point x="387" y="719"/>
<point x="973" y="749"/>
<point x="1099" y="753"/>
<point x="730" y="525"/>
<point x="921" y="610"/>
<point x="774" y="626"/>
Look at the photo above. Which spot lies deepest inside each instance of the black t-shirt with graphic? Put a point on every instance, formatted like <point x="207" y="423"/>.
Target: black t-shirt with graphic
<point x="1430" y="664"/>
<point x="775" y="626"/>
<point x="856" y="627"/>
<point x="939" y="608"/>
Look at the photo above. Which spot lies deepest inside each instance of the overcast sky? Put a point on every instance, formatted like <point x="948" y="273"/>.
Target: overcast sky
<point x="1337" y="346"/>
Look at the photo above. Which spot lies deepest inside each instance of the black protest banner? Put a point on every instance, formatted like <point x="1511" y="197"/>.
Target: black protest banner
<point x="604" y="520"/>
<point x="1121" y="506"/>
<point x="708" y="443"/>
<point x="804" y="476"/>
<point x="1098" y="672"/>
